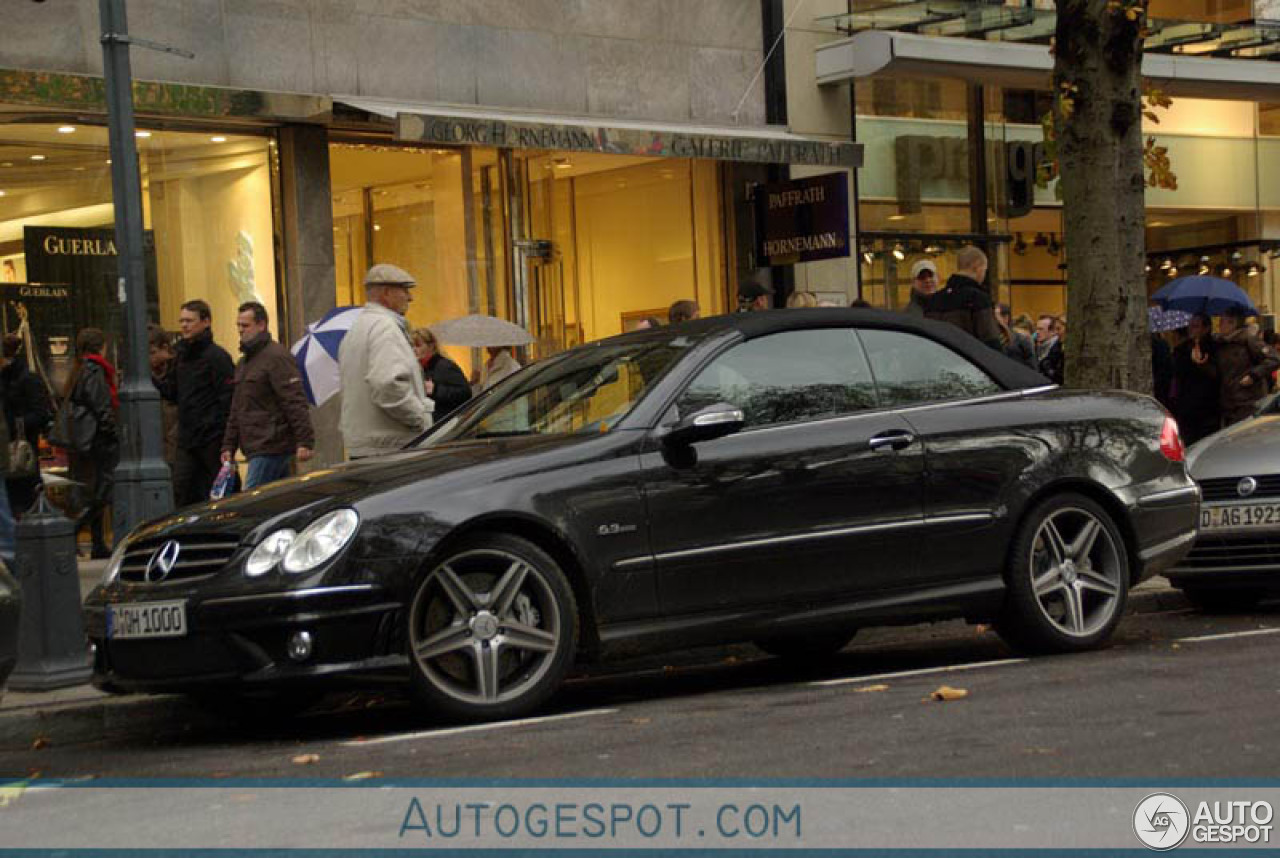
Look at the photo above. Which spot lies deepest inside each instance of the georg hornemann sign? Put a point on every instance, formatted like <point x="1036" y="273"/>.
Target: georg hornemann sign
<point x="802" y="220"/>
<point x="457" y="130"/>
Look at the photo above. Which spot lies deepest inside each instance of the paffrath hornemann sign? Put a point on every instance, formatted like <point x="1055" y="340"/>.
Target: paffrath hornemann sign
<point x="803" y="220"/>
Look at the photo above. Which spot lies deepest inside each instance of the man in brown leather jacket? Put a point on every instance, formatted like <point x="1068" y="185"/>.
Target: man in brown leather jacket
<point x="964" y="302"/>
<point x="1244" y="362"/>
<point x="269" y="418"/>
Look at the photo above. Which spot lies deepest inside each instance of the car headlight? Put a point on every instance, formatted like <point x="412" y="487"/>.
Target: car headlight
<point x="322" y="539"/>
<point x="269" y="552"/>
<point x="112" y="572"/>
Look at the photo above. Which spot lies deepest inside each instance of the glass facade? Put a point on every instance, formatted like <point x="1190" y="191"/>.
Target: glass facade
<point x="921" y="195"/>
<point x="207" y="210"/>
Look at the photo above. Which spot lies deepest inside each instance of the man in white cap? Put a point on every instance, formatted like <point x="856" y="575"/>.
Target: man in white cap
<point x="924" y="282"/>
<point x="384" y="403"/>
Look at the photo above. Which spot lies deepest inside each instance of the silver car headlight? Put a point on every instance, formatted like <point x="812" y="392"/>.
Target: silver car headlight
<point x="321" y="540"/>
<point x="112" y="572"/>
<point x="269" y="552"/>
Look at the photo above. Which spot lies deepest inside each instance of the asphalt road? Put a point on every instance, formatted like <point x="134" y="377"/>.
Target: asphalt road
<point x="1158" y="703"/>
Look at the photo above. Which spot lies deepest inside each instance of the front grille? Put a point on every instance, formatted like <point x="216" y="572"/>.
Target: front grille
<point x="1215" y="552"/>
<point x="1224" y="488"/>
<point x="199" y="556"/>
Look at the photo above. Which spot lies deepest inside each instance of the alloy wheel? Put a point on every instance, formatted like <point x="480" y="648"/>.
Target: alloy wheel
<point x="485" y="627"/>
<point x="1076" y="571"/>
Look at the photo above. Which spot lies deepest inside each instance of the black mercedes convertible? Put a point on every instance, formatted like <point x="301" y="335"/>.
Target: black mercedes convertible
<point x="785" y="478"/>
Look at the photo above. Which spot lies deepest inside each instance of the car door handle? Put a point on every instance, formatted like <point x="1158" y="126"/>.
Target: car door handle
<point x="895" y="440"/>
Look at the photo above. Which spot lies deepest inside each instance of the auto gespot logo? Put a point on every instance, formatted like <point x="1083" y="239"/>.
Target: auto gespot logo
<point x="1163" y="822"/>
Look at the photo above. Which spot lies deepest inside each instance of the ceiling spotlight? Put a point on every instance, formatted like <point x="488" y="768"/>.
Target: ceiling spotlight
<point x="37" y="157"/>
<point x="1253" y="269"/>
<point x="1236" y="256"/>
<point x="1166" y="264"/>
<point x="66" y="129"/>
<point x="1" y="193"/>
<point x="218" y="139"/>
<point x="933" y="249"/>
<point x="898" y="253"/>
<point x="1147" y="268"/>
<point x="868" y="257"/>
<point x="1171" y="272"/>
<point x="142" y="134"/>
<point x="1204" y="269"/>
<point x="1226" y="271"/>
<point x="377" y="227"/>
<point x="1204" y="258"/>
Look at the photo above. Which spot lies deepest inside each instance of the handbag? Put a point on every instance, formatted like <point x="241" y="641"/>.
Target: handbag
<point x="22" y="459"/>
<point x="74" y="427"/>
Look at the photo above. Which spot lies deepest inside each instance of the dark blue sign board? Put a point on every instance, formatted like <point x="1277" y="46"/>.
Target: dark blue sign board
<point x="802" y="220"/>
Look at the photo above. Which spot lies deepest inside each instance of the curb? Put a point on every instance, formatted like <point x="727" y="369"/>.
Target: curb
<point x="83" y="715"/>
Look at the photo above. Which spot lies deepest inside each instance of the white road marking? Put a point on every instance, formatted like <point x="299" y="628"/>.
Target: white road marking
<point x="473" y="728"/>
<point x="1226" y="635"/>
<point x="922" y="672"/>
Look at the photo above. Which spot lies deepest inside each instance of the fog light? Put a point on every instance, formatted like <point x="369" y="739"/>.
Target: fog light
<point x="299" y="647"/>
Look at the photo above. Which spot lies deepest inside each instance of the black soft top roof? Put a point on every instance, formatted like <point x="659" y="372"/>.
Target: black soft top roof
<point x="1006" y="371"/>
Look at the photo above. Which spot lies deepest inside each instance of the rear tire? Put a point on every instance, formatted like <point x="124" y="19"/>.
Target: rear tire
<point x="806" y="647"/>
<point x="1068" y="578"/>
<point x="492" y="629"/>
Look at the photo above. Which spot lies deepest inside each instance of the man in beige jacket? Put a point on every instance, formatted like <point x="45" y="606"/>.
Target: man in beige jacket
<point x="384" y="403"/>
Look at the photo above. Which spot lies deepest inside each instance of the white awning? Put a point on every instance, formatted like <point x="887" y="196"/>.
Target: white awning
<point x="880" y="52"/>
<point x="454" y="125"/>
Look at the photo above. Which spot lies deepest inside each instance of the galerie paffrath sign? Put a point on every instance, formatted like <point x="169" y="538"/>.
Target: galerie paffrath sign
<point x="463" y="131"/>
<point x="803" y="220"/>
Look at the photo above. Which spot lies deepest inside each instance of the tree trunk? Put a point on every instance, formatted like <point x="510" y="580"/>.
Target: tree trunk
<point x="1098" y="115"/>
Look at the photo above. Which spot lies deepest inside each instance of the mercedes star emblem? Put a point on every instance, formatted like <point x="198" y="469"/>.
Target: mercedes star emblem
<point x="163" y="561"/>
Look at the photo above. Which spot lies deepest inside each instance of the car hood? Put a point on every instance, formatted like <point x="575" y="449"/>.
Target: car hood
<point x="297" y="501"/>
<point x="1248" y="448"/>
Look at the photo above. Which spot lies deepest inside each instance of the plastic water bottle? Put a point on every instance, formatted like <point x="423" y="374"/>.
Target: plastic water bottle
<point x="223" y="482"/>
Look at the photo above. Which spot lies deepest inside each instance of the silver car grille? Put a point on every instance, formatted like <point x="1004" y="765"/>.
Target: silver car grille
<point x="1224" y="488"/>
<point x="1216" y="552"/>
<point x="199" y="556"/>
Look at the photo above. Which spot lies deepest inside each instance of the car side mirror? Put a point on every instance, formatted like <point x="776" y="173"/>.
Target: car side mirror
<point x="705" y="424"/>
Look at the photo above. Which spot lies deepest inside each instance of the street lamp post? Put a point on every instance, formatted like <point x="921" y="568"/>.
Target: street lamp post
<point x="142" y="487"/>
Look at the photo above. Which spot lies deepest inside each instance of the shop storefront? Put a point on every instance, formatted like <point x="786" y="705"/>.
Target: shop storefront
<point x="923" y="193"/>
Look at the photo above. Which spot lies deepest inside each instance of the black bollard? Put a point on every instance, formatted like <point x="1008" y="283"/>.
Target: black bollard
<point x="52" y="651"/>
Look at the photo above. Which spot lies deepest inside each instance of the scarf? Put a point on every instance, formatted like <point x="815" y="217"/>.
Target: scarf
<point x="110" y="372"/>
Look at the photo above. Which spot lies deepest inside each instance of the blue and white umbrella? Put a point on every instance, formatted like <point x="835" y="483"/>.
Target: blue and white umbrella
<point x="317" y="353"/>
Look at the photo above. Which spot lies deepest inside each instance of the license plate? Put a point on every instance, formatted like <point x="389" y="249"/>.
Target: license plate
<point x="1242" y="516"/>
<point x="147" y="620"/>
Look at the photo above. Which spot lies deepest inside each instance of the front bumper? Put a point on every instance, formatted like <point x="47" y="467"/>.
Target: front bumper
<point x="242" y="640"/>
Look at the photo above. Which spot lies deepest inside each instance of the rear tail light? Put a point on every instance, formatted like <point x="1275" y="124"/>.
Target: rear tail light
<point x="1171" y="441"/>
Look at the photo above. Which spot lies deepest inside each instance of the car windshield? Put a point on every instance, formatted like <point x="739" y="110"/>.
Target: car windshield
<point x="587" y="390"/>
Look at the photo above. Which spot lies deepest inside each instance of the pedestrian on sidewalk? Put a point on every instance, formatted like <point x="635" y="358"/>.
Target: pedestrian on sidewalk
<point x="964" y="301"/>
<point x="443" y="379"/>
<point x="1196" y="402"/>
<point x="1017" y="345"/>
<point x="201" y="383"/>
<point x="92" y="384"/>
<point x="269" y="418"/>
<point x="1244" y="362"/>
<point x="1050" y="356"/>
<point x="384" y="401"/>
<point x="924" y="282"/>
<point x="161" y="356"/>
<point x="27" y="411"/>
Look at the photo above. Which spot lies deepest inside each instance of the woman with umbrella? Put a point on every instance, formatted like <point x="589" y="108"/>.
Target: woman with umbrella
<point x="1195" y="382"/>
<point x="444" y="380"/>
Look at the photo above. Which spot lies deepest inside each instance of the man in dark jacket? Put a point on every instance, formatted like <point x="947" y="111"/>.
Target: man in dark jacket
<point x="269" y="418"/>
<point x="26" y="405"/>
<point x="201" y="382"/>
<point x="1244" y="363"/>
<point x="964" y="302"/>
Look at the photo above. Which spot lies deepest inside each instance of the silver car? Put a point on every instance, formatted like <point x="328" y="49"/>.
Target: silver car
<point x="1235" y="561"/>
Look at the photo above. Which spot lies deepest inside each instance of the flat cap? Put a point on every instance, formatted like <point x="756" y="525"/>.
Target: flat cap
<point x="386" y="274"/>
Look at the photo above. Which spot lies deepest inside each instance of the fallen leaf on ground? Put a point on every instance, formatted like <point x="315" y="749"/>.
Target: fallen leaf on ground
<point x="865" y="688"/>
<point x="641" y="720"/>
<point x="40" y="743"/>
<point x="306" y="759"/>
<point x="946" y="692"/>
<point x="362" y="776"/>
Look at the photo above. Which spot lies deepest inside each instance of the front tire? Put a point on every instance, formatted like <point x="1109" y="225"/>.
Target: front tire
<point x="1068" y="578"/>
<point x="492" y="629"/>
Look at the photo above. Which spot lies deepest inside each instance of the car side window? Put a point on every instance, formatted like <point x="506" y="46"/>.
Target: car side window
<point x="780" y="378"/>
<point x="911" y="370"/>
